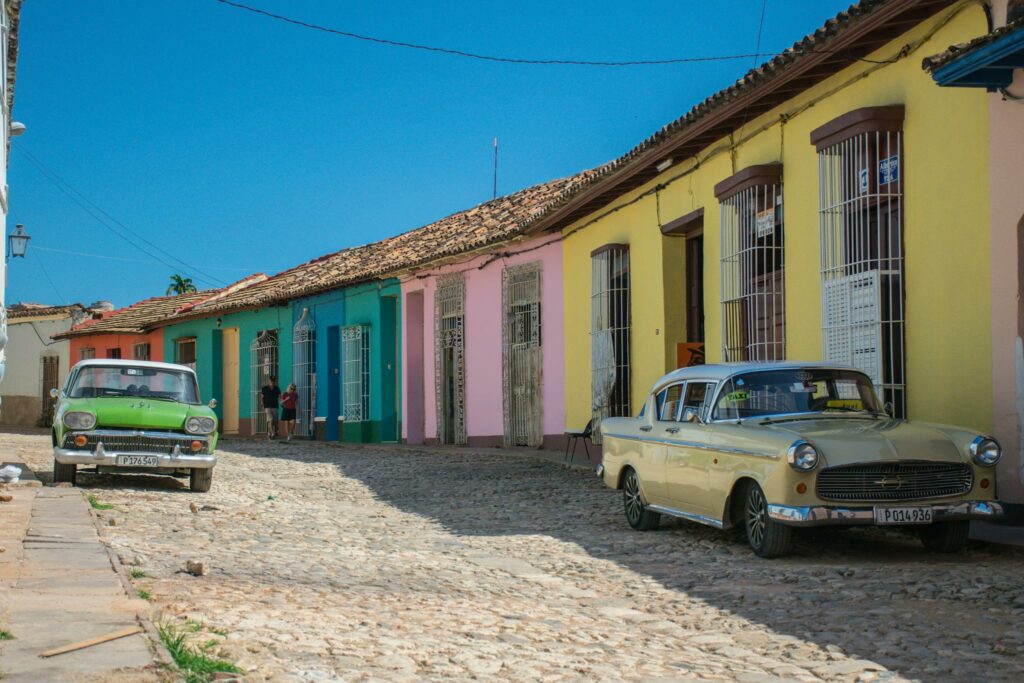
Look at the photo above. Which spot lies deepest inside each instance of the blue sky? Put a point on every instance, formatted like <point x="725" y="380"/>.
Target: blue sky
<point x="240" y="144"/>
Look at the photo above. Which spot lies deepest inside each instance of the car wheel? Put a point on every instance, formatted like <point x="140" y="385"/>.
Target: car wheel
<point x="766" y="537"/>
<point x="200" y="480"/>
<point x="637" y="514"/>
<point x="64" y="473"/>
<point x="946" y="537"/>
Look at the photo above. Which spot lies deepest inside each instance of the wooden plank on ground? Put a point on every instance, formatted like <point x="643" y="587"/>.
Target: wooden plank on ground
<point x="114" y="635"/>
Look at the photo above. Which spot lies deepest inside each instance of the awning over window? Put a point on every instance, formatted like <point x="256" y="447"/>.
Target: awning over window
<point x="985" y="62"/>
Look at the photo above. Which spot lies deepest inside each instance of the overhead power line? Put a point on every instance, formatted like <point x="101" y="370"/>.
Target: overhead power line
<point x="69" y="252"/>
<point x="487" y="58"/>
<point x="109" y="222"/>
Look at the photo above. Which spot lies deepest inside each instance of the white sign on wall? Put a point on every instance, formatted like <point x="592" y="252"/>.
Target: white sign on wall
<point x="765" y="222"/>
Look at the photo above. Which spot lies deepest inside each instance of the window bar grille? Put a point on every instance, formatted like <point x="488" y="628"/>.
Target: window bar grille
<point x="449" y="359"/>
<point x="862" y="260"/>
<point x="304" y="372"/>
<point x="522" y="356"/>
<point x="610" y="333"/>
<point x="753" y="275"/>
<point x="263" y="366"/>
<point x="355" y="372"/>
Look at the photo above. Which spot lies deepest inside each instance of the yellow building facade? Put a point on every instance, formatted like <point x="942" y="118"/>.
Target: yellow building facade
<point x="937" y="327"/>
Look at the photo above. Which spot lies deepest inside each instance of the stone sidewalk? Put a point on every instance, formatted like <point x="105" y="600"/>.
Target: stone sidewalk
<point x="58" y="586"/>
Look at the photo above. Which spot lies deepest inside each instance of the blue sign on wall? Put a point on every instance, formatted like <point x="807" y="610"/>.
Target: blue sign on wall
<point x="888" y="170"/>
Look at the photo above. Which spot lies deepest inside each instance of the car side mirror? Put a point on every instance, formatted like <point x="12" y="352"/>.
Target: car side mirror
<point x="692" y="415"/>
<point x="56" y="393"/>
<point x="213" y="403"/>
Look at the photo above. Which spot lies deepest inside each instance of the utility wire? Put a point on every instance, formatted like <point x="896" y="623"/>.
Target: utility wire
<point x="50" y="280"/>
<point x="36" y="247"/>
<point x="105" y="219"/>
<point x="521" y="60"/>
<point x="476" y="55"/>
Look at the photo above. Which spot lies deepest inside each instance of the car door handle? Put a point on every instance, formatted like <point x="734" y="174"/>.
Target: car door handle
<point x="672" y="430"/>
<point x="646" y="428"/>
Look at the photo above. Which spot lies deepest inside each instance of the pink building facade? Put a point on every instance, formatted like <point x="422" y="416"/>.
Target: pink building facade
<point x="482" y="341"/>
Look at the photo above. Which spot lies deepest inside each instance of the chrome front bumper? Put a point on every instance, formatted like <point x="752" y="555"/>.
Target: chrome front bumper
<point x="101" y="455"/>
<point x="822" y="515"/>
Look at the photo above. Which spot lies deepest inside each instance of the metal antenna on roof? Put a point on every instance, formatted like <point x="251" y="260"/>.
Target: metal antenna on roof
<point x="495" y="195"/>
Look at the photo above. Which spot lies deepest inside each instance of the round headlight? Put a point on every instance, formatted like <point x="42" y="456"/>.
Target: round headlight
<point x="79" y="420"/>
<point x="200" y="425"/>
<point x="985" y="451"/>
<point x="802" y="456"/>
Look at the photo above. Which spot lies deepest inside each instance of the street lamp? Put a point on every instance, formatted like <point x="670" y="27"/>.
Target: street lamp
<point x="17" y="242"/>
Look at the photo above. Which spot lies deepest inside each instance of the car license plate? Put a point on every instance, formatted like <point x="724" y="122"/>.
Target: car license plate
<point x="138" y="460"/>
<point x="903" y="515"/>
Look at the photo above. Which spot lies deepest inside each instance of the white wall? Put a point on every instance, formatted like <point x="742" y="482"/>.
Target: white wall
<point x="24" y="349"/>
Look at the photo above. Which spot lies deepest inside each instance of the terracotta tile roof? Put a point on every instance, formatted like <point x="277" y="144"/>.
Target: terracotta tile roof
<point x="864" y="27"/>
<point x="489" y="223"/>
<point x="30" y="310"/>
<point x="934" y="62"/>
<point x="134" y="319"/>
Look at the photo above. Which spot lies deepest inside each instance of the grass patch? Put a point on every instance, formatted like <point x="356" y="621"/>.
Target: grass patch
<point x="97" y="505"/>
<point x="197" y="666"/>
<point x="138" y="574"/>
<point x="6" y="635"/>
<point x="145" y="595"/>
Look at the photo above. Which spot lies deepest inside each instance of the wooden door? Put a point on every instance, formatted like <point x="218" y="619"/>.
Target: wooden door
<point x="229" y="380"/>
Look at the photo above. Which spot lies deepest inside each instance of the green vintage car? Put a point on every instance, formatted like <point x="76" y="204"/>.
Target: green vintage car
<point x="134" y="416"/>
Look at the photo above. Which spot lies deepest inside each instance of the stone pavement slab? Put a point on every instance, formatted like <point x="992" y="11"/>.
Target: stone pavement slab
<point x="60" y="587"/>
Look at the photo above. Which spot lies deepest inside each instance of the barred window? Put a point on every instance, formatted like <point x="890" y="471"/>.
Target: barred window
<point x="610" y="331"/>
<point x="140" y="351"/>
<point x="355" y="372"/>
<point x="87" y="353"/>
<point x="185" y="352"/>
<point x="114" y="353"/>
<point x="860" y="176"/>
<point x="753" y="265"/>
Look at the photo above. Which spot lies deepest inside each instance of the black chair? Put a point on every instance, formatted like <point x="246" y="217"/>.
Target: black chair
<point x="572" y="438"/>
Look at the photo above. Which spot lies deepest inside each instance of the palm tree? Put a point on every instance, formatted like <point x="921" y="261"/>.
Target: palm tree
<point x="181" y="285"/>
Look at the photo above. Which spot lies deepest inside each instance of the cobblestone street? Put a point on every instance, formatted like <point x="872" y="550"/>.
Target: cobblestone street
<point x="328" y="562"/>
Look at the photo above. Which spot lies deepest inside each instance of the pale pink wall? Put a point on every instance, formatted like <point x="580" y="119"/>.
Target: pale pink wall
<point x="482" y="276"/>
<point x="1006" y="207"/>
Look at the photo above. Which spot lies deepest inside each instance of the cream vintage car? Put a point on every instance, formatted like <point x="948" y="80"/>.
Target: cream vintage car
<point x="773" y="446"/>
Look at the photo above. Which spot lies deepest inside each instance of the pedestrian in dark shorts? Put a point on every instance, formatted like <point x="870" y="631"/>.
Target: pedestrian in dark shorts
<point x="271" y="393"/>
<point x="289" y="402"/>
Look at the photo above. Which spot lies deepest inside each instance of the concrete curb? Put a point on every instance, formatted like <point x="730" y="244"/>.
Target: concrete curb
<point x="160" y="652"/>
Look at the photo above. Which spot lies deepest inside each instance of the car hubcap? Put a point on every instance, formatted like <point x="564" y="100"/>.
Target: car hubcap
<point x="631" y="493"/>
<point x="756" y="516"/>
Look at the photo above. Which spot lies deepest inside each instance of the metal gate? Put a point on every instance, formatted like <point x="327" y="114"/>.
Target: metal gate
<point x="49" y="378"/>
<point x="609" y="335"/>
<point x="262" y="366"/>
<point x="522" y="357"/>
<point x="753" y="263"/>
<point x="355" y="373"/>
<point x="304" y="372"/>
<point x="450" y="359"/>
<point x="861" y="220"/>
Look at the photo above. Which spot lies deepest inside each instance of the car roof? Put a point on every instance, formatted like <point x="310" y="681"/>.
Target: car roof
<point x="125" y="363"/>
<point x="721" y="371"/>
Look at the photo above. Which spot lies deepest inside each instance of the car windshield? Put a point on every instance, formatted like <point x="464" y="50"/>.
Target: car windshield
<point x="781" y="392"/>
<point x="142" y="382"/>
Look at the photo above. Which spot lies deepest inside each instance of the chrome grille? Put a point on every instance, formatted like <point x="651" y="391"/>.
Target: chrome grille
<point x="894" y="481"/>
<point x="129" y="442"/>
